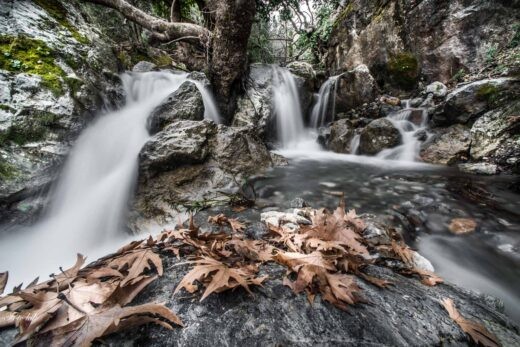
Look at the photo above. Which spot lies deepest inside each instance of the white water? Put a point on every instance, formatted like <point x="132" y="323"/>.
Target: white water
<point x="90" y="200"/>
<point x="320" y="115"/>
<point x="409" y="129"/>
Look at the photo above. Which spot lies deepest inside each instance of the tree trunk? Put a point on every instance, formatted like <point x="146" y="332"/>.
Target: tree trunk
<point x="234" y="19"/>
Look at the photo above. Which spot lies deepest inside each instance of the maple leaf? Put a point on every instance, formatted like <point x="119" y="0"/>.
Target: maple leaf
<point x="3" y="281"/>
<point x="343" y="290"/>
<point x="136" y="262"/>
<point x="477" y="332"/>
<point x="379" y="282"/>
<point x="252" y="249"/>
<point x="295" y="261"/>
<point x="221" y="277"/>
<point x="221" y="219"/>
<point x="103" y="321"/>
<point x="45" y="304"/>
<point x="334" y="227"/>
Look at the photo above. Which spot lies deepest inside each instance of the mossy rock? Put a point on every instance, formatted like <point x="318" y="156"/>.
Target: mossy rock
<point x="403" y="70"/>
<point x="31" y="127"/>
<point x="488" y="92"/>
<point x="7" y="171"/>
<point x="22" y="54"/>
<point x="56" y="10"/>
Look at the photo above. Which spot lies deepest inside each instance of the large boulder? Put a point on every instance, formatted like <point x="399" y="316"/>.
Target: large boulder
<point x="496" y="137"/>
<point x="188" y="164"/>
<point x="472" y="100"/>
<point x="355" y="88"/>
<point x="254" y="108"/>
<point x="448" y="146"/>
<point x="303" y="70"/>
<point x="402" y="40"/>
<point x="180" y="143"/>
<point x="184" y="104"/>
<point x="341" y="134"/>
<point x="378" y="135"/>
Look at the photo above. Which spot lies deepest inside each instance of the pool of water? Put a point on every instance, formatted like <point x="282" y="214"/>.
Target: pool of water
<point x="487" y="261"/>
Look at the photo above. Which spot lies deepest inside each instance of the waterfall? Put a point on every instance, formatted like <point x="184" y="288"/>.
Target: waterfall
<point x="320" y="115"/>
<point x="89" y="203"/>
<point x="354" y="144"/>
<point x="410" y="122"/>
<point x="287" y="108"/>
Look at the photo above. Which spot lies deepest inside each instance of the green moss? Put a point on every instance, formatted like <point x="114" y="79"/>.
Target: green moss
<point x="22" y="54"/>
<point x="7" y="171"/>
<point x="56" y="10"/>
<point x="163" y="60"/>
<point x="344" y="14"/>
<point x="74" y="84"/>
<point x="488" y="92"/>
<point x="29" y="128"/>
<point x="403" y="70"/>
<point x="7" y="108"/>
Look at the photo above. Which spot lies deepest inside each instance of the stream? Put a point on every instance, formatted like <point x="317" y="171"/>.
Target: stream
<point x="88" y="205"/>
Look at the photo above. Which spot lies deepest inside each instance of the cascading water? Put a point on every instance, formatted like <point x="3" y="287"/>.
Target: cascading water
<point x="320" y="115"/>
<point x="292" y="134"/>
<point x="410" y="122"/>
<point x="90" y="200"/>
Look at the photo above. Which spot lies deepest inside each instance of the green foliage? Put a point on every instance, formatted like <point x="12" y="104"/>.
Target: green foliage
<point x="491" y="54"/>
<point x="56" y="10"/>
<point x="515" y="41"/>
<point x="22" y="54"/>
<point x="459" y="76"/>
<point x="403" y="70"/>
<point x="191" y="12"/>
<point x="161" y="9"/>
<point x="321" y="34"/>
<point x="259" y="46"/>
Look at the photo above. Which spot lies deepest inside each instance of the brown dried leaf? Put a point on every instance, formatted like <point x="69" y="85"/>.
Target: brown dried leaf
<point x="461" y="226"/>
<point x="477" y="332"/>
<point x="221" y="219"/>
<point x="3" y="281"/>
<point x="252" y="249"/>
<point x="136" y="263"/>
<point x="295" y="261"/>
<point x="103" y="321"/>
<point x="8" y="318"/>
<point x="220" y="277"/>
<point x="379" y="282"/>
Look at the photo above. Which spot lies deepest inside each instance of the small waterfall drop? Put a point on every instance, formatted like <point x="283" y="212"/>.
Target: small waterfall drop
<point x="410" y="122"/>
<point x="354" y="144"/>
<point x="287" y="108"/>
<point x="90" y="201"/>
<point x="320" y="115"/>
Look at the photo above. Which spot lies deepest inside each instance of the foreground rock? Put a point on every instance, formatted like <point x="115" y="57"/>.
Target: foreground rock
<point x="448" y="146"/>
<point x="341" y="134"/>
<point x="188" y="163"/>
<point x="378" y="135"/>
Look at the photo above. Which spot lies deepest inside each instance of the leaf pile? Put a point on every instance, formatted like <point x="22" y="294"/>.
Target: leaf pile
<point x="78" y="305"/>
<point x="324" y="253"/>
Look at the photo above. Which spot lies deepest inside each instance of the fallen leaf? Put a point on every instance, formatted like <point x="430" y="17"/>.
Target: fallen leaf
<point x="136" y="262"/>
<point x="3" y="281"/>
<point x="295" y="261"/>
<point x="220" y="277"/>
<point x="461" y="226"/>
<point x="477" y="332"/>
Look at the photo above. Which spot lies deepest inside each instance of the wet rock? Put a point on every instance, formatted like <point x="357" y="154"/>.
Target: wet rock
<point x="305" y="71"/>
<point x="180" y="143"/>
<point x="144" y="66"/>
<point x="472" y="100"/>
<point x="376" y="231"/>
<point x="254" y="108"/>
<point x="495" y="137"/>
<point x="184" y="104"/>
<point x="341" y="134"/>
<point x="421" y="135"/>
<point x="437" y="89"/>
<point x="378" y="135"/>
<point x="408" y="314"/>
<point x="390" y="100"/>
<point x="282" y="218"/>
<point x="416" y="102"/>
<point x="190" y="163"/>
<point x="256" y="231"/>
<point x="298" y="203"/>
<point x="422" y="263"/>
<point x="355" y="88"/>
<point x="479" y="168"/>
<point x="448" y="146"/>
